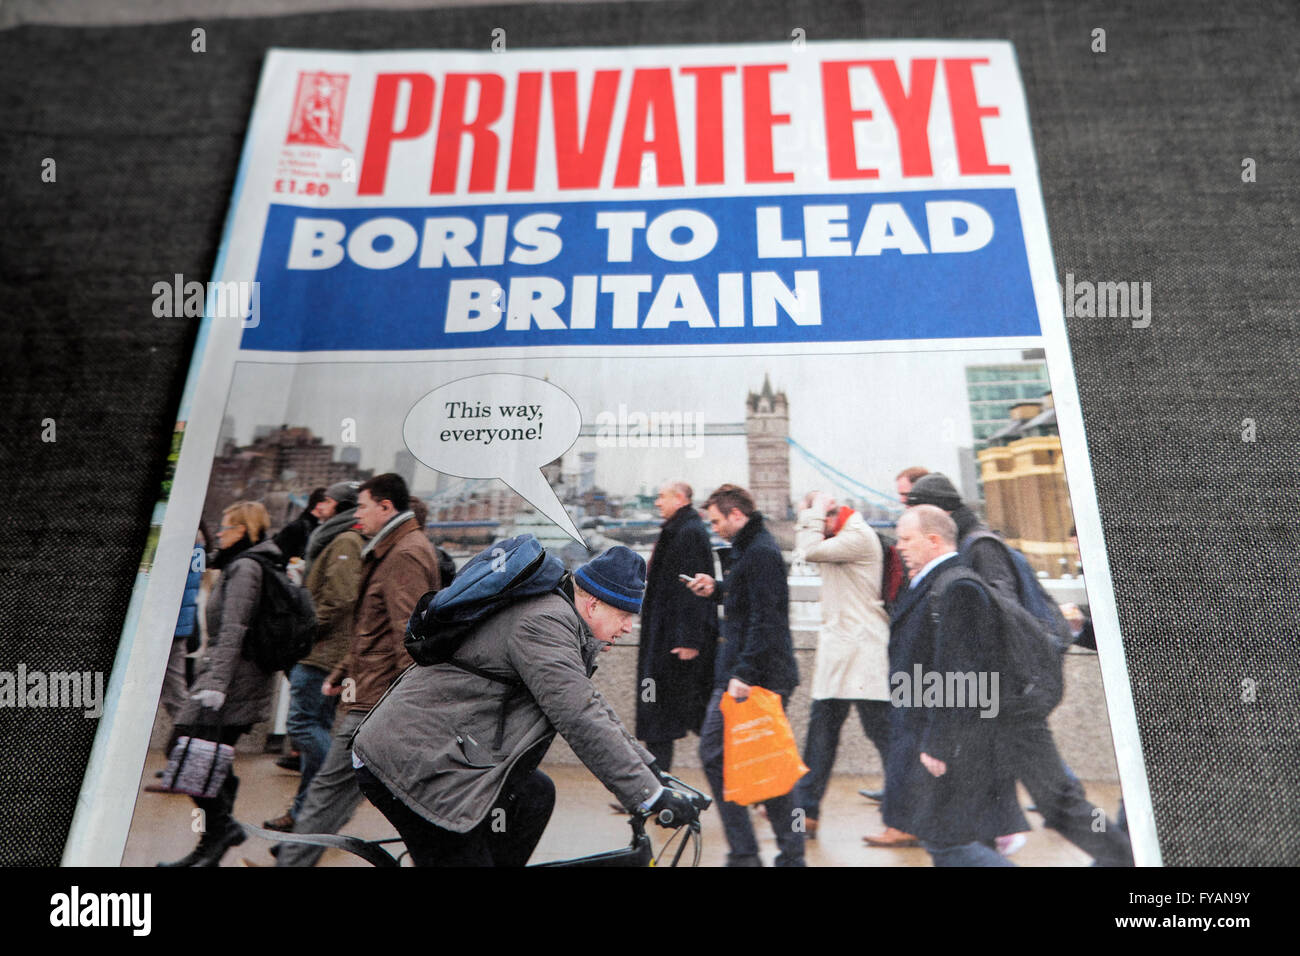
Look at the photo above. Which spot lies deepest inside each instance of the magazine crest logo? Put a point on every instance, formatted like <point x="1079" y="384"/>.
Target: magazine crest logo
<point x="318" y="110"/>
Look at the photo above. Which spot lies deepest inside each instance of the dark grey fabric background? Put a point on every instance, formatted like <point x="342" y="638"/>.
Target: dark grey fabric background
<point x="1140" y="151"/>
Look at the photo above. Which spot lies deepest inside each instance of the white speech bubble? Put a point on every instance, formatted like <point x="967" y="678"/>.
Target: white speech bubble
<point x="498" y="425"/>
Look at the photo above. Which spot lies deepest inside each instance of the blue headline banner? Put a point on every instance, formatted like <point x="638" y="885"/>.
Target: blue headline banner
<point x="753" y="269"/>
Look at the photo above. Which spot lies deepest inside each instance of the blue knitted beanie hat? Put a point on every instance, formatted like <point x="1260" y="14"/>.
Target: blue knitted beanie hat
<point x="616" y="577"/>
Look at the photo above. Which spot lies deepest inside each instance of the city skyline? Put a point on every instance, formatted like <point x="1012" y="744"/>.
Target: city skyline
<point x="866" y="415"/>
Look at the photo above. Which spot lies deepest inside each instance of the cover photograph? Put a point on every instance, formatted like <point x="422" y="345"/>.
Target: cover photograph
<point x="676" y="445"/>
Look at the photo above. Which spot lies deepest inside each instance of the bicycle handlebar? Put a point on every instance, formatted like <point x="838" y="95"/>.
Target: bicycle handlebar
<point x="700" y="801"/>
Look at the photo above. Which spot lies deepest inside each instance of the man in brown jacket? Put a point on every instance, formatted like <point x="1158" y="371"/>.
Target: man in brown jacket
<point x="398" y="566"/>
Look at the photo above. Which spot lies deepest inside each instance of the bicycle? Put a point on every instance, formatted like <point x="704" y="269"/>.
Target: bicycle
<point x="639" y="852"/>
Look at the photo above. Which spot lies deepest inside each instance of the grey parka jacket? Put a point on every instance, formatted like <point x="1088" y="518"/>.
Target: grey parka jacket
<point x="439" y="739"/>
<point x="231" y="607"/>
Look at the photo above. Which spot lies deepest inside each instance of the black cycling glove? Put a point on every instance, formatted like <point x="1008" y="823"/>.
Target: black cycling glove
<point x="673" y="809"/>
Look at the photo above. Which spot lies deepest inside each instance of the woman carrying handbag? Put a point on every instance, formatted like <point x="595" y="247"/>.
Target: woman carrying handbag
<point x="230" y="692"/>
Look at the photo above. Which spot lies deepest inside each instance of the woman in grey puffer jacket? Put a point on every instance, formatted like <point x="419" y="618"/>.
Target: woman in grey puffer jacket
<point x="230" y="691"/>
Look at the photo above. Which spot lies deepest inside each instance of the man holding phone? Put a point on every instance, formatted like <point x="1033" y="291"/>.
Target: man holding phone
<point x="756" y="651"/>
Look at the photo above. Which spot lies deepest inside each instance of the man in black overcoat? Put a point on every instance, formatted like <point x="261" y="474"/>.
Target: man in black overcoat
<point x="756" y="651"/>
<point x="679" y="631"/>
<point x="1027" y="744"/>
<point x="945" y="781"/>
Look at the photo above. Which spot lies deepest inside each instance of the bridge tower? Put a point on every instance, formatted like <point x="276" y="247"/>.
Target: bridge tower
<point x="767" y="425"/>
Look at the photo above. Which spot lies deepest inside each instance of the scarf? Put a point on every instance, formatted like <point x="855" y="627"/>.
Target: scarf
<point x="326" y="532"/>
<point x="383" y="532"/>
<point x="841" y="519"/>
<point x="224" y="556"/>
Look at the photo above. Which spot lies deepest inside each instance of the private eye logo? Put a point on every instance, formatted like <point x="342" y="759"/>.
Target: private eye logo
<point x="317" y="118"/>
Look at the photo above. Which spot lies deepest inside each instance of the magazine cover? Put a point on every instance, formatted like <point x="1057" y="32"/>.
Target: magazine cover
<point x="756" y="350"/>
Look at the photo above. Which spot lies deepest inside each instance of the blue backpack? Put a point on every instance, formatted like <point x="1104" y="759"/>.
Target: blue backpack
<point x="493" y="579"/>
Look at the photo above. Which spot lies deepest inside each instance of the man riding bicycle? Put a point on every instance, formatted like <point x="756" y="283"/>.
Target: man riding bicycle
<point x="450" y="753"/>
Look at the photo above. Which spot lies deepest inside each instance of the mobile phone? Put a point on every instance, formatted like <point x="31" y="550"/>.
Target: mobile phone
<point x="685" y="578"/>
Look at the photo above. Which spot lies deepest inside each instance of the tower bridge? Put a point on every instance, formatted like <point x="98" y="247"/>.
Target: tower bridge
<point x="766" y="430"/>
<point x="730" y="429"/>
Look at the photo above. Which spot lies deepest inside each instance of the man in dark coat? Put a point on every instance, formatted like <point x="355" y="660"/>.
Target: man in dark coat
<point x="292" y="538"/>
<point x="1028" y="745"/>
<point x="946" y="781"/>
<point x="756" y="651"/>
<point x="679" y="631"/>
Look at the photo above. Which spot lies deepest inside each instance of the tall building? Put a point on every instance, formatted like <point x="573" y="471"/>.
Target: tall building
<point x="993" y="390"/>
<point x="404" y="465"/>
<point x="280" y="459"/>
<point x="767" y="425"/>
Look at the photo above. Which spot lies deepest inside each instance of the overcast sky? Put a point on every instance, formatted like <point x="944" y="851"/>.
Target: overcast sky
<point x="868" y="415"/>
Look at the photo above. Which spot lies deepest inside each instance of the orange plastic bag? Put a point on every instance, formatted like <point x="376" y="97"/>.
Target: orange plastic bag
<point x="759" y="757"/>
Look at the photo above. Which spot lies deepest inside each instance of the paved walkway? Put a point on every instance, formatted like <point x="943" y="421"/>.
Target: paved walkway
<point x="583" y="823"/>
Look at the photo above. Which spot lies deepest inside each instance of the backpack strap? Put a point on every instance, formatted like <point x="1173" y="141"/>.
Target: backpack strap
<point x="949" y="574"/>
<point x="267" y="565"/>
<point x="486" y="675"/>
<point x="264" y="561"/>
<point x="984" y="534"/>
<point x="949" y="577"/>
<point x="514" y="687"/>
